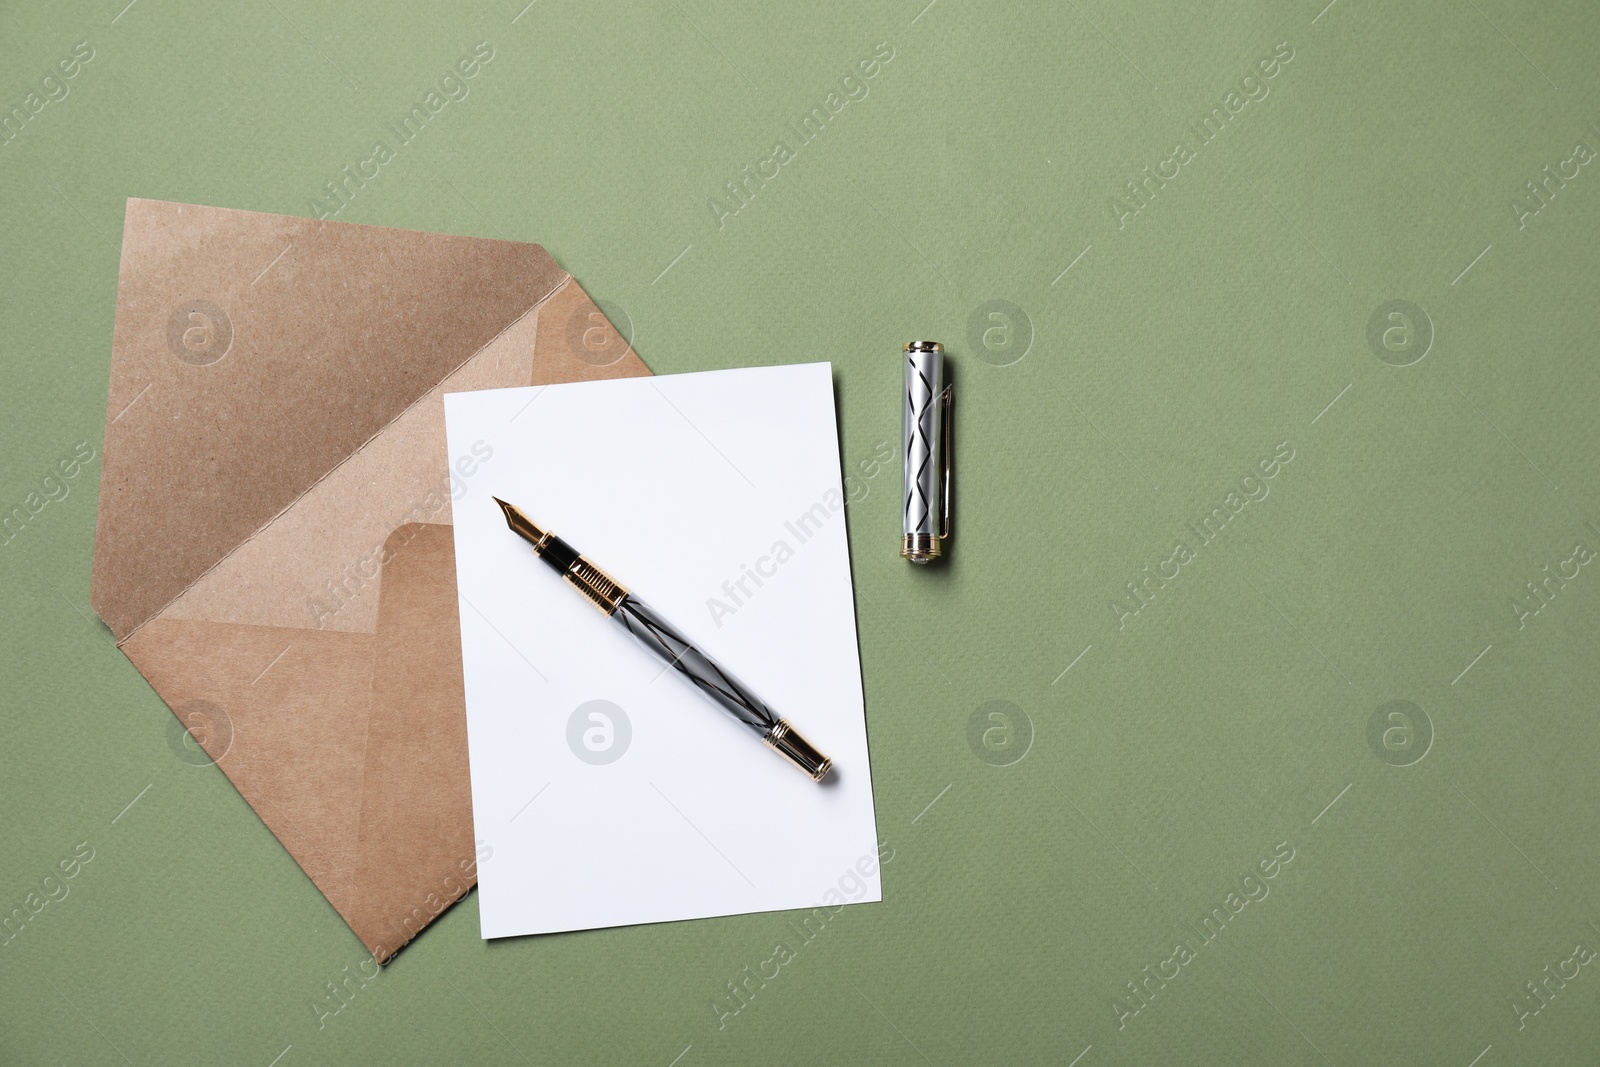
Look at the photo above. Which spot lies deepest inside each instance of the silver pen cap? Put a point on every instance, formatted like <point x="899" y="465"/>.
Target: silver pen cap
<point x="926" y="503"/>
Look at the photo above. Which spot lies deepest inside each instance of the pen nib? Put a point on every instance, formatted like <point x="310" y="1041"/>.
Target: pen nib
<point x="520" y="524"/>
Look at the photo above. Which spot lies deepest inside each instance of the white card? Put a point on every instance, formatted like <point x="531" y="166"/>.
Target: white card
<point x="606" y="789"/>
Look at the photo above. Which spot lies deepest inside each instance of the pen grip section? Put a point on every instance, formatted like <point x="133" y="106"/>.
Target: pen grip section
<point x="663" y="639"/>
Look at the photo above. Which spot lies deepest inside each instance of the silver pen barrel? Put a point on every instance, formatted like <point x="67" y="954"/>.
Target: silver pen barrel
<point x="926" y="504"/>
<point x="704" y="673"/>
<point x="707" y="675"/>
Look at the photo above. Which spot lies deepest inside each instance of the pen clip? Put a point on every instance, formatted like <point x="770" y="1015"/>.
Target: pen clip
<point x="946" y="399"/>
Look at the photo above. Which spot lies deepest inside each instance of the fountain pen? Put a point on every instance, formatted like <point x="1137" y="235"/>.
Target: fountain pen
<point x="661" y="638"/>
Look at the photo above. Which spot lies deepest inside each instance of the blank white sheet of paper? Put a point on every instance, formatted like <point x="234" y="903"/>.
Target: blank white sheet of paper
<point x="606" y="790"/>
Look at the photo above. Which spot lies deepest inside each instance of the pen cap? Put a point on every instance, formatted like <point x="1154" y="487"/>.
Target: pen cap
<point x="926" y="504"/>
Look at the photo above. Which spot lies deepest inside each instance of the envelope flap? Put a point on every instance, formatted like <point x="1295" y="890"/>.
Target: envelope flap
<point x="252" y="354"/>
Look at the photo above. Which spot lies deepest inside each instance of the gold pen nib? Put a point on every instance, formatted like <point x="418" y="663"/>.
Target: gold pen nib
<point x="520" y="524"/>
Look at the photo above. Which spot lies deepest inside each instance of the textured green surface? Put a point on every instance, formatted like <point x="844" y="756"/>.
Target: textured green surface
<point x="1180" y="349"/>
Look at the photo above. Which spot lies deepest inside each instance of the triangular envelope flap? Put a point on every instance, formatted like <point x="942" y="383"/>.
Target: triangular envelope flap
<point x="253" y="353"/>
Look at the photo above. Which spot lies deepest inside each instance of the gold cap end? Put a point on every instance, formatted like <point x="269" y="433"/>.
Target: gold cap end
<point x="921" y="548"/>
<point x="788" y="743"/>
<point x="924" y="346"/>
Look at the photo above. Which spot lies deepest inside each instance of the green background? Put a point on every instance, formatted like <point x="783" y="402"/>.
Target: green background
<point x="1228" y="716"/>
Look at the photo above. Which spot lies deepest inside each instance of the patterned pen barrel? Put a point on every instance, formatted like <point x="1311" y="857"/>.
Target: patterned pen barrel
<point x="925" y="519"/>
<point x="709" y="676"/>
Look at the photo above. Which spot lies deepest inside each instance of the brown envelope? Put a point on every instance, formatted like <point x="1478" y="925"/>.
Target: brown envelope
<point x="273" y="549"/>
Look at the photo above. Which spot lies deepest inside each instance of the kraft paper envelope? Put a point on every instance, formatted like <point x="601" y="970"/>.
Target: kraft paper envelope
<point x="273" y="550"/>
